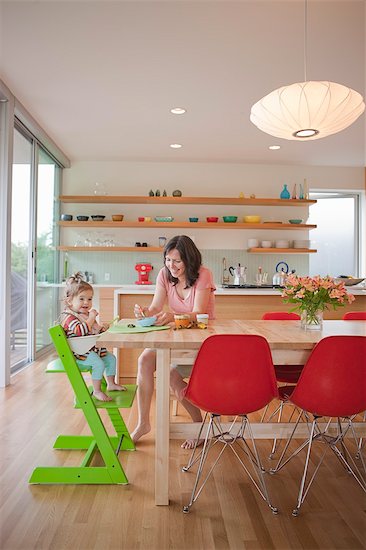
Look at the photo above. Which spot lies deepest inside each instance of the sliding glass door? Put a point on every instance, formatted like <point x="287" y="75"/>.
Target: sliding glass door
<point x="34" y="296"/>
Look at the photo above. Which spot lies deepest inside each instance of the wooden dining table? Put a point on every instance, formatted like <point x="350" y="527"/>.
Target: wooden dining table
<point x="289" y="343"/>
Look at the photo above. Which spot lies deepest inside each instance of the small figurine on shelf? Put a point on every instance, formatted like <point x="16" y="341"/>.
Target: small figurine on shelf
<point x="241" y="195"/>
<point x="164" y="193"/>
<point x="252" y="196"/>
<point x="157" y="193"/>
<point x="294" y="192"/>
<point x="285" y="192"/>
<point x="151" y="193"/>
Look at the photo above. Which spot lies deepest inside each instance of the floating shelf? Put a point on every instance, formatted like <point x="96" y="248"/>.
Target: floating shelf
<point x="190" y="225"/>
<point x="130" y="199"/>
<point x="282" y="251"/>
<point x="111" y="248"/>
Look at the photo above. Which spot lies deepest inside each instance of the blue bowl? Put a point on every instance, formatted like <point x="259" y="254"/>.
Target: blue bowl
<point x="146" y="321"/>
<point x="193" y="219"/>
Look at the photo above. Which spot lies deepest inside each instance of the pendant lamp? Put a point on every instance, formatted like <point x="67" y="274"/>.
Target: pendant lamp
<point x="307" y="110"/>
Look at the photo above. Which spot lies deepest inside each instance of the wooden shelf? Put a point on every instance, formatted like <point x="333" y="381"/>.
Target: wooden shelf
<point x="282" y="251"/>
<point x="190" y="225"/>
<point x="111" y="248"/>
<point x="131" y="199"/>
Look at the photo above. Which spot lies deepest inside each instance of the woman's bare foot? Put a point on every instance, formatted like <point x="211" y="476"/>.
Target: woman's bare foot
<point x="101" y="396"/>
<point x="139" y="431"/>
<point x="190" y="443"/>
<point x="115" y="387"/>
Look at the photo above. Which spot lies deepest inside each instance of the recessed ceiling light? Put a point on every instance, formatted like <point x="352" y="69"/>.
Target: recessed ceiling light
<point x="274" y="147"/>
<point x="176" y="145"/>
<point x="178" y="111"/>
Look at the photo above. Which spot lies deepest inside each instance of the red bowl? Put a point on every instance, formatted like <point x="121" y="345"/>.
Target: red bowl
<point x="141" y="219"/>
<point x="212" y="219"/>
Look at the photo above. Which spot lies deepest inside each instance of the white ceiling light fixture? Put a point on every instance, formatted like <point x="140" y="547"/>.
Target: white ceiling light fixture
<point x="307" y="110"/>
<point x="274" y="147"/>
<point x="178" y="111"/>
<point x="176" y="145"/>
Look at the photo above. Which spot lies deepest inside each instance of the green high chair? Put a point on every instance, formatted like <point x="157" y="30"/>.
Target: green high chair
<point x="108" y="446"/>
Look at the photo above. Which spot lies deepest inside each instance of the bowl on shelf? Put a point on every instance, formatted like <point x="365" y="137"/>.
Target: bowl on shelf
<point x="66" y="217"/>
<point x="98" y="218"/>
<point x="302" y="244"/>
<point x="266" y="244"/>
<point x="82" y="344"/>
<point x="147" y="218"/>
<point x="348" y="281"/>
<point x="163" y="219"/>
<point x="282" y="244"/>
<point x="230" y="219"/>
<point x="117" y="217"/>
<point x="193" y="220"/>
<point x="212" y="219"/>
<point x="82" y="218"/>
<point x="252" y="219"/>
<point x="297" y="221"/>
<point x="141" y="219"/>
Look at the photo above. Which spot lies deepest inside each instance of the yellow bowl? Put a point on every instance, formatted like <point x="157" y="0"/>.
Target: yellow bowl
<point x="252" y="219"/>
<point x="117" y="217"/>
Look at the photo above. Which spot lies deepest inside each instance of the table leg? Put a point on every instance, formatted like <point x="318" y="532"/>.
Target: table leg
<point x="162" y="427"/>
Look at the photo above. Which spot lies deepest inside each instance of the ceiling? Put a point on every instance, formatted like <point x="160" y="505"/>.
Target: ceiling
<point x="101" y="77"/>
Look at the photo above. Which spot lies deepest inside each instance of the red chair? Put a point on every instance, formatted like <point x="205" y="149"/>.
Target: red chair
<point x="233" y="375"/>
<point x="355" y="316"/>
<point x="285" y="374"/>
<point x="332" y="385"/>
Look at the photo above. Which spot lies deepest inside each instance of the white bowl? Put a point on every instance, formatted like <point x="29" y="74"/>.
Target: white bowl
<point x="82" y="344"/>
<point x="302" y="244"/>
<point x="266" y="244"/>
<point x="282" y="244"/>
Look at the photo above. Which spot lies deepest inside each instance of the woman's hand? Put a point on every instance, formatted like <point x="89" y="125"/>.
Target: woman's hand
<point x="140" y="312"/>
<point x="163" y="318"/>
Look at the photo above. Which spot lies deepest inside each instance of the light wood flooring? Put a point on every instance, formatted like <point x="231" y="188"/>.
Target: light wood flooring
<point x="229" y="514"/>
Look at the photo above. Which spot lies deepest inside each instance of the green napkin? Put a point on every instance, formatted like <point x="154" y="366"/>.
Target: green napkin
<point x="124" y="329"/>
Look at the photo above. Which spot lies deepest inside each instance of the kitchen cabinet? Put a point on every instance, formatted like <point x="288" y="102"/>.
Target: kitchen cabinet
<point x="130" y="199"/>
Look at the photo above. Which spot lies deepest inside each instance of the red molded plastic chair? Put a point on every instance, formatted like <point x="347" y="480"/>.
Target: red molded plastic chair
<point x="355" y="316"/>
<point x="285" y="374"/>
<point x="332" y="385"/>
<point x="232" y="375"/>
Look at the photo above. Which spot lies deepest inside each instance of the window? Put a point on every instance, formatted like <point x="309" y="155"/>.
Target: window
<point x="337" y="237"/>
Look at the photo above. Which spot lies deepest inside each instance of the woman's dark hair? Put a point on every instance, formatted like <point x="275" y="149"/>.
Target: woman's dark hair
<point x="190" y="256"/>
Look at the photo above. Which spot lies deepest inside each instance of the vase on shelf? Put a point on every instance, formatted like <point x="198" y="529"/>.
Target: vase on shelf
<point x="285" y="194"/>
<point x="312" y="319"/>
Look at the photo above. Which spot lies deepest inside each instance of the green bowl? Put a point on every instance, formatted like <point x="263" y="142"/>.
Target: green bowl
<point x="230" y="219"/>
<point x="295" y="221"/>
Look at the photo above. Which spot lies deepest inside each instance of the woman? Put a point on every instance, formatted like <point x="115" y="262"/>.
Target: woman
<point x="187" y="287"/>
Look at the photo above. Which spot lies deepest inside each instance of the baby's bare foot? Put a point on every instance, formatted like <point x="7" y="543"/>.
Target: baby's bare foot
<point x="115" y="387"/>
<point x="101" y="396"/>
<point x="139" y="431"/>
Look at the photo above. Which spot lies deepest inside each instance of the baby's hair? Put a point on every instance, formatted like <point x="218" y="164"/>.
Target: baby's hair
<point x="74" y="285"/>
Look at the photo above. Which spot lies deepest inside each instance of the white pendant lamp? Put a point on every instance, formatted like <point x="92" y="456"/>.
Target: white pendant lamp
<point x="307" y="110"/>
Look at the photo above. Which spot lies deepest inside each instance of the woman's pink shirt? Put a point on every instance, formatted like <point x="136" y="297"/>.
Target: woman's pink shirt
<point x="185" y="305"/>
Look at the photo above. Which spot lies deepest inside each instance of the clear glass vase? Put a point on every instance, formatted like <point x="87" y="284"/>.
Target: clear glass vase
<point x="312" y="320"/>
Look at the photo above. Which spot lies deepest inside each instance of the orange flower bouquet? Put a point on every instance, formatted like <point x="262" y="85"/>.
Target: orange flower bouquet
<point x="312" y="295"/>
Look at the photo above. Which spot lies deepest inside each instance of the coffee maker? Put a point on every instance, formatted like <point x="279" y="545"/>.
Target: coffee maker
<point x="143" y="274"/>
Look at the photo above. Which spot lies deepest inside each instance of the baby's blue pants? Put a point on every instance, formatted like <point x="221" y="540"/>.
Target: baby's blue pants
<point x="99" y="364"/>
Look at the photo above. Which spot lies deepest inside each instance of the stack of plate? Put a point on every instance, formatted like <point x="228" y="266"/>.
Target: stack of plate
<point x="302" y="244"/>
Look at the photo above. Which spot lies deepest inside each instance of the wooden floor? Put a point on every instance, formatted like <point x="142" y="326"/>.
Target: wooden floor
<point x="229" y="514"/>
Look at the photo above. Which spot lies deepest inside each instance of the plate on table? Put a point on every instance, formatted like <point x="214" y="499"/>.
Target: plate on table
<point x="126" y="328"/>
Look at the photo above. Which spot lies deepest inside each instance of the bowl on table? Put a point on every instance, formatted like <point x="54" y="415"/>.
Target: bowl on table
<point x="146" y="321"/>
<point x="98" y="218"/>
<point x="348" y="281"/>
<point x="252" y="219"/>
<point x="212" y="219"/>
<point x="82" y="218"/>
<point x="230" y="219"/>
<point x="82" y="344"/>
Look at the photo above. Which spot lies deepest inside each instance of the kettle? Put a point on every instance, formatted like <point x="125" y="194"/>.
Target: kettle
<point x="279" y="277"/>
<point x="239" y="274"/>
